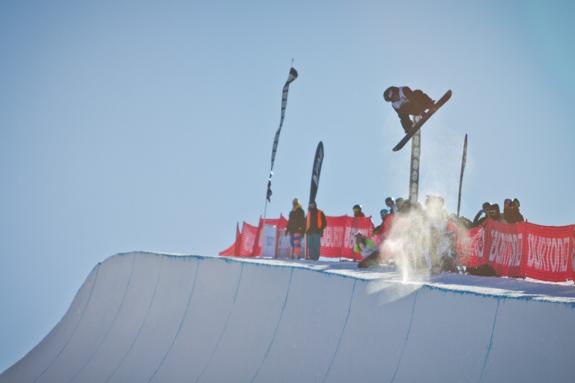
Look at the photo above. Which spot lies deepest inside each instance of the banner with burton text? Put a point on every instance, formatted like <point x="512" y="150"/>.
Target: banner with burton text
<point x="523" y="250"/>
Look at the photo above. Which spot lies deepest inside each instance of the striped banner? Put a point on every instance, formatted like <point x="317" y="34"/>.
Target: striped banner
<point x="316" y="171"/>
<point x="291" y="77"/>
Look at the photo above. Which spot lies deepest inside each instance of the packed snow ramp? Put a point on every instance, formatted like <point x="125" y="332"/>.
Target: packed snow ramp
<point x="155" y="318"/>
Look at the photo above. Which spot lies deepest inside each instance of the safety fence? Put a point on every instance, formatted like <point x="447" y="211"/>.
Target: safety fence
<point x="521" y="250"/>
<point x="513" y="250"/>
<point x="268" y="238"/>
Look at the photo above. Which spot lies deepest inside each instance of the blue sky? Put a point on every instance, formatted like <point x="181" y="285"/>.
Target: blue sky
<point x="147" y="125"/>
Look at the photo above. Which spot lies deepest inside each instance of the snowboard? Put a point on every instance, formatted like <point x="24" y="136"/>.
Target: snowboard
<point x="415" y="128"/>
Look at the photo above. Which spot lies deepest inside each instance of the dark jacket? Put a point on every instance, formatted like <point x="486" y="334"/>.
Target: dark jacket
<point x="513" y="216"/>
<point x="316" y="222"/>
<point x="296" y="221"/>
<point x="415" y="102"/>
<point x="479" y="220"/>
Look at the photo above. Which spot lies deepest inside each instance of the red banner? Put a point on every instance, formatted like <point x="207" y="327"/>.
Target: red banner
<point x="469" y="246"/>
<point x="515" y="250"/>
<point x="248" y="241"/>
<point x="337" y="240"/>
<point x="549" y="252"/>
<point x="521" y="250"/>
<point x="233" y="249"/>
<point x="503" y="248"/>
<point x="280" y="223"/>
<point x="338" y="237"/>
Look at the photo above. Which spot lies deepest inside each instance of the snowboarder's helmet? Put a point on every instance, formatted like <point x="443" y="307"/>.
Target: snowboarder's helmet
<point x="356" y="207"/>
<point x="389" y="93"/>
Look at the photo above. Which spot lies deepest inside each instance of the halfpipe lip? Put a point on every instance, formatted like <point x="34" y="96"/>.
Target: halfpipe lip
<point x="507" y="288"/>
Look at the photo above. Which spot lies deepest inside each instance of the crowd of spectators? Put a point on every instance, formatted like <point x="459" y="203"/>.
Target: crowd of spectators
<point x="431" y="228"/>
<point x="511" y="213"/>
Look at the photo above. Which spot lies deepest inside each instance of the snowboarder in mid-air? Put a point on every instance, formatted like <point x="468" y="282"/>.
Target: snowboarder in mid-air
<point x="407" y="102"/>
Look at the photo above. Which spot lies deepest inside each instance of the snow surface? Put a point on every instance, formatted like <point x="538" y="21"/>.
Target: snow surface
<point x="142" y="317"/>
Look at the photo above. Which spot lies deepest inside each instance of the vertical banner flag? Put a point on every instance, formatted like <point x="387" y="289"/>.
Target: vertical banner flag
<point x="291" y="77"/>
<point x="463" y="161"/>
<point x="317" y="161"/>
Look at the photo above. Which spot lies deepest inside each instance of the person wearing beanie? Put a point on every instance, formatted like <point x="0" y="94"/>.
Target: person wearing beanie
<point x="316" y="223"/>
<point x="482" y="214"/>
<point x="514" y="215"/>
<point x="296" y="228"/>
<point x="390" y="203"/>
<point x="357" y="212"/>
<point x="406" y="103"/>
<point x="368" y="251"/>
<point x="381" y="228"/>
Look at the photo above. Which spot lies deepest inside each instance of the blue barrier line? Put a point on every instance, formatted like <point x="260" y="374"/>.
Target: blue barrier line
<point x="490" y="345"/>
<point x="92" y="288"/>
<point x="141" y="325"/>
<point x="276" y="328"/>
<point x="184" y="316"/>
<point x="341" y="333"/>
<point x="105" y="336"/>
<point x="224" y="328"/>
<point x="406" y="337"/>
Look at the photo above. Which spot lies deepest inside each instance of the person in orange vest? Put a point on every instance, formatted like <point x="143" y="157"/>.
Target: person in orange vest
<point x="316" y="223"/>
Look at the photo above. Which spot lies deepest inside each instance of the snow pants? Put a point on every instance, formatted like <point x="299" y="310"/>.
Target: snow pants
<point x="415" y="107"/>
<point x="296" y="240"/>
<point x="313" y="245"/>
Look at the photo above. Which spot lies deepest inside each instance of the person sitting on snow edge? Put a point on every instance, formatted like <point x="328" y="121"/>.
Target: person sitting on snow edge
<point x="368" y="250"/>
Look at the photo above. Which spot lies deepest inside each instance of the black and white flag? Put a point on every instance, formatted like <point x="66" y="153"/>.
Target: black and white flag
<point x="463" y="162"/>
<point x="291" y="77"/>
<point x="316" y="171"/>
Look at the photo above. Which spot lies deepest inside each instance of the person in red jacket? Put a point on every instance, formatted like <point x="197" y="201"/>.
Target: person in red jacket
<point x="382" y="230"/>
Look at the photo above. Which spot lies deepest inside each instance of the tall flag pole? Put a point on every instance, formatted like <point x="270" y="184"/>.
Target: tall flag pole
<point x="316" y="171"/>
<point x="414" y="165"/>
<point x="463" y="161"/>
<point x="291" y="77"/>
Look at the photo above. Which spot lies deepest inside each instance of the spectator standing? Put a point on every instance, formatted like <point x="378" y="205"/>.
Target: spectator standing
<point x="357" y="211"/>
<point x="514" y="215"/>
<point x="507" y="210"/>
<point x="494" y="212"/>
<point x="390" y="203"/>
<point x="296" y="228"/>
<point x="316" y="223"/>
<point x="381" y="228"/>
<point x="398" y="204"/>
<point x="482" y="214"/>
